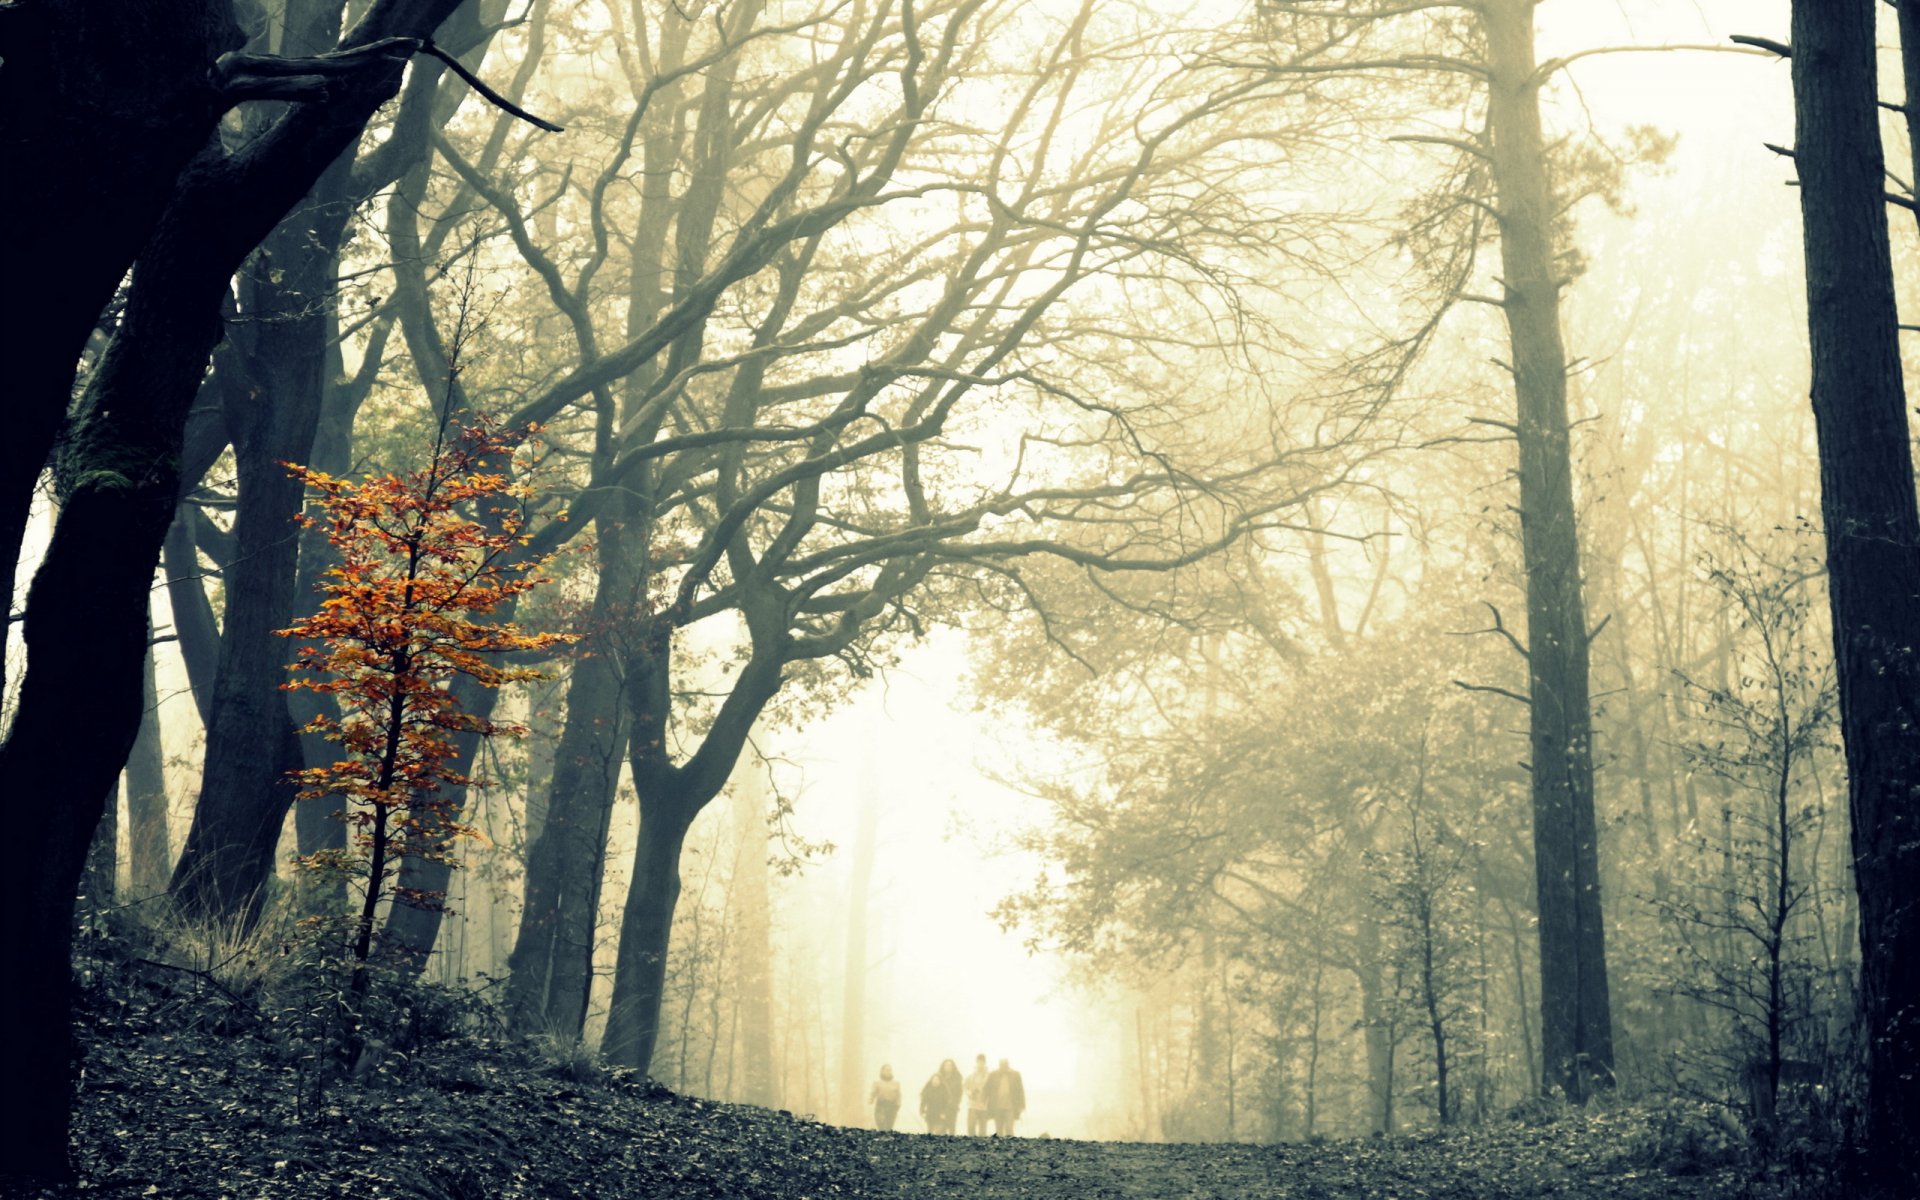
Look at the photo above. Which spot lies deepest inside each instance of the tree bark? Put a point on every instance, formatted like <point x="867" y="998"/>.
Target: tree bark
<point x="288" y="294"/>
<point x="101" y="106"/>
<point x="1576" y="1021"/>
<point x="646" y="933"/>
<point x="1873" y="546"/>
<point x="551" y="968"/>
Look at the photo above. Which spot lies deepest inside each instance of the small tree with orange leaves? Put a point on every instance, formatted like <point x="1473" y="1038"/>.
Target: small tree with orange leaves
<point x="426" y="558"/>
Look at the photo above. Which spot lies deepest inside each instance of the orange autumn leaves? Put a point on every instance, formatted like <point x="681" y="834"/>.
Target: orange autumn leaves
<point x="428" y="561"/>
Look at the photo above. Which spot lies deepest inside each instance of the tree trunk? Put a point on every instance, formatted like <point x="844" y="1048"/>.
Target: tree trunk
<point x="646" y="933"/>
<point x="551" y="968"/>
<point x="412" y="930"/>
<point x="99" y="884"/>
<point x="1576" y="1023"/>
<point x="1873" y="546"/>
<point x="319" y="823"/>
<point x="288" y="292"/>
<point x="86" y="636"/>
<point x="1374" y="1031"/>
<point x="194" y="623"/>
<point x="101" y="106"/>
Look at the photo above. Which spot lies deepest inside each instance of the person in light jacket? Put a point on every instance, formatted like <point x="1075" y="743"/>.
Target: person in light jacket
<point x="885" y="1098"/>
<point x="1006" y="1099"/>
<point x="976" y="1087"/>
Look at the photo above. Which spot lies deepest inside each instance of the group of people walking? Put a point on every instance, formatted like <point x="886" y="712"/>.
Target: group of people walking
<point x="998" y="1096"/>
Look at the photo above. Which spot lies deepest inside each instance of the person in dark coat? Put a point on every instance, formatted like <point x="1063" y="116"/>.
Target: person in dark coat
<point x="1006" y="1099"/>
<point x="940" y="1098"/>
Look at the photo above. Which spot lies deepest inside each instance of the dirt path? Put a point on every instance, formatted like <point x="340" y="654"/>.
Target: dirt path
<point x="1578" y="1159"/>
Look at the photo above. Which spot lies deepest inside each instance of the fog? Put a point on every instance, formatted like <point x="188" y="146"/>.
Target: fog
<point x="1203" y="550"/>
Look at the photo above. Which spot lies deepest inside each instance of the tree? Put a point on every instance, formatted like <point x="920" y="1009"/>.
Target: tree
<point x="1421" y="893"/>
<point x="397" y="626"/>
<point x="1576" y="1025"/>
<point x="1873" y="545"/>
<point x="1509" y="188"/>
<point x="1745" y="923"/>
<point x="1245" y="828"/>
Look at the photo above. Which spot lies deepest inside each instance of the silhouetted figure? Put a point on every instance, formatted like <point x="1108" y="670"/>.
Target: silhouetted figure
<point x="976" y="1086"/>
<point x="885" y="1098"/>
<point x="1006" y="1099"/>
<point x="940" y="1098"/>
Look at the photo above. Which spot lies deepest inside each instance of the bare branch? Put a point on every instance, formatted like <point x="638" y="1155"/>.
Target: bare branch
<point x="237" y="76"/>
<point x="1497" y="691"/>
<point x="1762" y="43"/>
<point x="492" y="97"/>
<point x="1499" y="627"/>
<point x="1432" y="140"/>
<point x="1553" y="65"/>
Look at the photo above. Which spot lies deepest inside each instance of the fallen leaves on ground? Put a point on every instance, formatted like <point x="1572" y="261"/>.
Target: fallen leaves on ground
<point x="183" y="1097"/>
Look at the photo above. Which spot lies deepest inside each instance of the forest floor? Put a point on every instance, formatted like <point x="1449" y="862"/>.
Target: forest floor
<point x="189" y="1090"/>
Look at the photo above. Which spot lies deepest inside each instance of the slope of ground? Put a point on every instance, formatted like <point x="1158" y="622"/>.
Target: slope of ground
<point x="189" y="1091"/>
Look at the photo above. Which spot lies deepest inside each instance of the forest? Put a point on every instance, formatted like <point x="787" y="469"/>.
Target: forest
<point x="1331" y="583"/>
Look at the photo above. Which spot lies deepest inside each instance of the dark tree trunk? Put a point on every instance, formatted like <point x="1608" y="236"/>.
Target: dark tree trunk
<point x="103" y="857"/>
<point x="1576" y="1023"/>
<point x="319" y="823"/>
<point x="671" y="796"/>
<point x="194" y="623"/>
<point x="101" y="106"/>
<point x="551" y="968"/>
<point x="79" y="706"/>
<point x="288" y="289"/>
<point x="1873" y="546"/>
<point x="412" y="930"/>
<point x="646" y="933"/>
